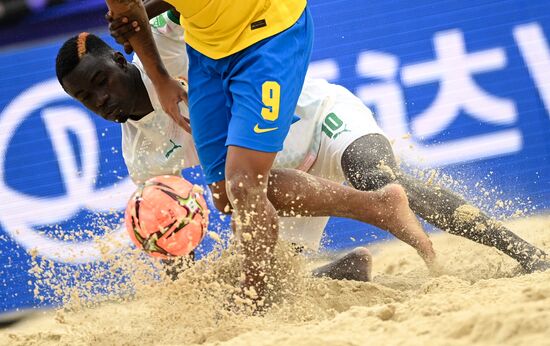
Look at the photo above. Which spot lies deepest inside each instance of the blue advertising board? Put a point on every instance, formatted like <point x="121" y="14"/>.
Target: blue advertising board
<point x="460" y="86"/>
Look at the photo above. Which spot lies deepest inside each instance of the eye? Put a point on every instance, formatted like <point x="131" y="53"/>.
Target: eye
<point x="103" y="81"/>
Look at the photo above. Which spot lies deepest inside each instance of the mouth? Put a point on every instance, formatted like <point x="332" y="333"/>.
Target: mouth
<point x="109" y="112"/>
<point x="121" y="118"/>
<point x="115" y="114"/>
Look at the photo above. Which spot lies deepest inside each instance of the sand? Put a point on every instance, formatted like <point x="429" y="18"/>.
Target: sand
<point x="482" y="298"/>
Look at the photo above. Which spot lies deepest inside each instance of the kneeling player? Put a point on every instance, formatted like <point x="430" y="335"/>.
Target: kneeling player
<point x="153" y="145"/>
<point x="354" y="149"/>
<point x="350" y="146"/>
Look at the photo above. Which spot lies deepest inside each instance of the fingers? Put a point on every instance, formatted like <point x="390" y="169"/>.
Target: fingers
<point x="185" y="98"/>
<point x="171" y="93"/>
<point x="122" y="28"/>
<point x="184" y="123"/>
<point x="116" y="24"/>
<point x="174" y="112"/>
<point x="185" y="85"/>
<point x="128" y="48"/>
<point x="109" y="16"/>
<point x="187" y="125"/>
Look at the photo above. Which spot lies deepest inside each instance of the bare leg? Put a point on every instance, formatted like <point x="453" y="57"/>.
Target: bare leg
<point x="296" y="193"/>
<point x="386" y="208"/>
<point x="255" y="218"/>
<point x="369" y="164"/>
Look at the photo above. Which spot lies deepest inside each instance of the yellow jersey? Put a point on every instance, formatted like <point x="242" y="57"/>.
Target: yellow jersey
<point x="219" y="28"/>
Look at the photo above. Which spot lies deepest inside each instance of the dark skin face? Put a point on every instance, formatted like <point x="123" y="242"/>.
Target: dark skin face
<point x="109" y="86"/>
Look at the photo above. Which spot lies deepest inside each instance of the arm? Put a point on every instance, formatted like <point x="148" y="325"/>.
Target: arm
<point x="122" y="28"/>
<point x="156" y="7"/>
<point x="142" y="40"/>
<point x="169" y="90"/>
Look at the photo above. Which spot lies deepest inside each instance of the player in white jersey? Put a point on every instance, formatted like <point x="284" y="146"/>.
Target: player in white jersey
<point x="338" y="139"/>
<point x="147" y="153"/>
<point x="334" y="139"/>
<point x="101" y="79"/>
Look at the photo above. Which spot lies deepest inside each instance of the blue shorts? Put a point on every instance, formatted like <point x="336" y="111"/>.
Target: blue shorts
<point x="247" y="99"/>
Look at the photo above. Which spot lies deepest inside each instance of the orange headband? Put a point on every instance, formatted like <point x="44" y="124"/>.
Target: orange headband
<point x="81" y="44"/>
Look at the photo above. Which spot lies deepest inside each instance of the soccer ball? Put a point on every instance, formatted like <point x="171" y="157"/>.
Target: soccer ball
<point x="167" y="216"/>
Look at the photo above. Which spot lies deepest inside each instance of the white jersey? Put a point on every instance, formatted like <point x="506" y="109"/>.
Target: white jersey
<point x="156" y="145"/>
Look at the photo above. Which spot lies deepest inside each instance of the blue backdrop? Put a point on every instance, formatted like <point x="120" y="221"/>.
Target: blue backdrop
<point x="457" y="85"/>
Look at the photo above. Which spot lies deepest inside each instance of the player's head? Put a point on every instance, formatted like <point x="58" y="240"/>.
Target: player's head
<point x="96" y="75"/>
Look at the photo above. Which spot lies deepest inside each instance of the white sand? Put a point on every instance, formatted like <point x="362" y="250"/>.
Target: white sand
<point x="482" y="299"/>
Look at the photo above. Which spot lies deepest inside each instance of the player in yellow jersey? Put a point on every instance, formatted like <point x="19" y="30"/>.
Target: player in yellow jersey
<point x="247" y="63"/>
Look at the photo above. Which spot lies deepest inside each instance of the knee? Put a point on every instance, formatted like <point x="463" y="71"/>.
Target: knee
<point x="372" y="179"/>
<point x="369" y="163"/>
<point x="245" y="190"/>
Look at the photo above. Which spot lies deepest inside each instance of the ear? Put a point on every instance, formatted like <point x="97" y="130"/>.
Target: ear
<point x="120" y="60"/>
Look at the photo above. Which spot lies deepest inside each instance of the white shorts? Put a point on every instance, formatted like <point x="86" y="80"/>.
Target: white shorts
<point x="347" y="120"/>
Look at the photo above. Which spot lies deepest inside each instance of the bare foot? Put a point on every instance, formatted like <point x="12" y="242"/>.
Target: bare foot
<point x="356" y="265"/>
<point x="389" y="210"/>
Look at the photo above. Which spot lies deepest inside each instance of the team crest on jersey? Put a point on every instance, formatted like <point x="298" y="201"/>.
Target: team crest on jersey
<point x="158" y="22"/>
<point x="171" y="150"/>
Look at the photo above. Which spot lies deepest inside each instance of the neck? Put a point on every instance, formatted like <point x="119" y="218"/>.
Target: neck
<point x="142" y="105"/>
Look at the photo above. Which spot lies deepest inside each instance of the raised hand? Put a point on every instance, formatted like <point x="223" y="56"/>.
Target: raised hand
<point x="121" y="29"/>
